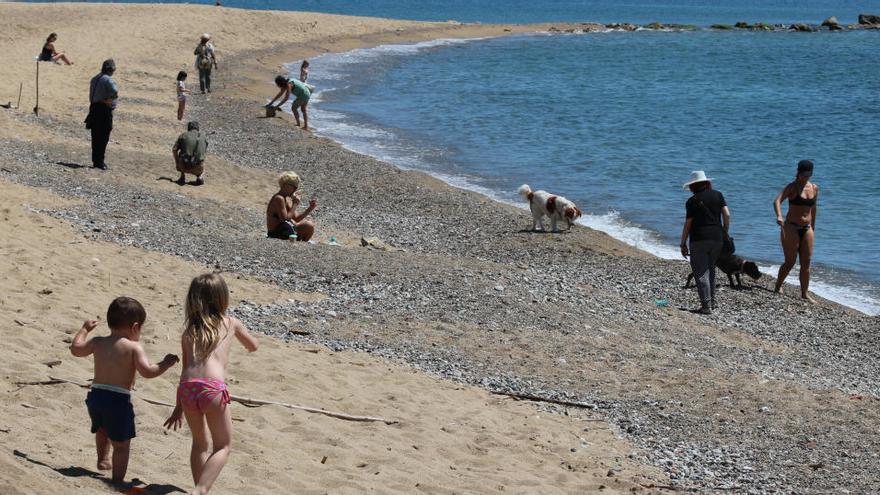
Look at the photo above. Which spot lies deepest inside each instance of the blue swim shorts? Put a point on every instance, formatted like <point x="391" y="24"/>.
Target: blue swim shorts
<point x="112" y="412"/>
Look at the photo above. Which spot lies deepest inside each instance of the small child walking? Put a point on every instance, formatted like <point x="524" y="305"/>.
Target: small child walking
<point x="117" y="356"/>
<point x="304" y="75"/>
<point x="202" y="396"/>
<point x="181" y="94"/>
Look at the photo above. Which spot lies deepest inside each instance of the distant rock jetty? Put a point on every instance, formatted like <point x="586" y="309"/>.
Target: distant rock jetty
<point x="866" y="21"/>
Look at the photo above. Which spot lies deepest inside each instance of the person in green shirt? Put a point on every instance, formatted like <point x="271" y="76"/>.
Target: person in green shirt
<point x="189" y="154"/>
<point x="301" y="95"/>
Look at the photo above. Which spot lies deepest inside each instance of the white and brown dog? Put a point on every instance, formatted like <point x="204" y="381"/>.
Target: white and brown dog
<point x="556" y="208"/>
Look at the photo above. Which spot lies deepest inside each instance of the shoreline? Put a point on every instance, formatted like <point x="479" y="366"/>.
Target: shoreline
<point x="708" y="404"/>
<point x="638" y="237"/>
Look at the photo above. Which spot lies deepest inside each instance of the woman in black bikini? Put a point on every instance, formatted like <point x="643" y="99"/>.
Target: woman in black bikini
<point x="282" y="220"/>
<point x="798" y="226"/>
<point x="48" y="54"/>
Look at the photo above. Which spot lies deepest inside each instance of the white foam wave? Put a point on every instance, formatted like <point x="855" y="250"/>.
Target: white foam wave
<point x="854" y="296"/>
<point x="639" y="237"/>
<point x="362" y="55"/>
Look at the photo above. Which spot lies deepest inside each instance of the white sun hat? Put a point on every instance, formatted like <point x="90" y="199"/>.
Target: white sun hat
<point x="206" y="36"/>
<point x="696" y="176"/>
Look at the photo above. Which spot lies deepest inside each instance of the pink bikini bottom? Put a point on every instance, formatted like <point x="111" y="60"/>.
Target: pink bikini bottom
<point x="196" y="394"/>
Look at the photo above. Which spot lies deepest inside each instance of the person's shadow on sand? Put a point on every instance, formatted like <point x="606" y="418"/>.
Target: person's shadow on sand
<point x="70" y="164"/>
<point x="136" y="485"/>
<point x="169" y="179"/>
<point x="539" y="232"/>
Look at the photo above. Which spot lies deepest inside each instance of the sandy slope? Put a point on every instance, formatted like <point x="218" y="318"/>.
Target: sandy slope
<point x="451" y="439"/>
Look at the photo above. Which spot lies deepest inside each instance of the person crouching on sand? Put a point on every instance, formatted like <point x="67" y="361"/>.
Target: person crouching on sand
<point x="117" y="356"/>
<point x="202" y="396"/>
<point x="301" y="95"/>
<point x="282" y="220"/>
<point x="189" y="154"/>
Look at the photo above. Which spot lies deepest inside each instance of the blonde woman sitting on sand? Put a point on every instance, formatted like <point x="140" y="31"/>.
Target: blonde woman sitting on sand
<point x="282" y="220"/>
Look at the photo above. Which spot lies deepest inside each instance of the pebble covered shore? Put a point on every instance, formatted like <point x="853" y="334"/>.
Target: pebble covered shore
<point x="768" y="395"/>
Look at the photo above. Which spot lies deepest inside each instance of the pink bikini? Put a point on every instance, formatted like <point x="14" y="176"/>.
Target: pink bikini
<point x="196" y="394"/>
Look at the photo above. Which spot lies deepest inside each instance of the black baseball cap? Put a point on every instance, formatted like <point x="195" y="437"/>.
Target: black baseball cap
<point x="805" y="166"/>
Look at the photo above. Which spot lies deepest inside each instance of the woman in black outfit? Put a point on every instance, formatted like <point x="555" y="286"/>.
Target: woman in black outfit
<point x="704" y="228"/>
<point x="49" y="54"/>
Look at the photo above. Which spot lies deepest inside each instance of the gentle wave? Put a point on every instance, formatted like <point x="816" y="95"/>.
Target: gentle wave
<point x="385" y="145"/>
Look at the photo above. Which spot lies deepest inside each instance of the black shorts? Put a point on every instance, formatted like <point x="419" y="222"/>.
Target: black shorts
<point x="112" y="412"/>
<point x="283" y="231"/>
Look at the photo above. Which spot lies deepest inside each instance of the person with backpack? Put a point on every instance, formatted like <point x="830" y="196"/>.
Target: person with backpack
<point x="189" y="154"/>
<point x="205" y="62"/>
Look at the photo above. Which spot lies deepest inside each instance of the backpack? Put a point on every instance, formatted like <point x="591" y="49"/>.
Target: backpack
<point x="197" y="154"/>
<point x="204" y="59"/>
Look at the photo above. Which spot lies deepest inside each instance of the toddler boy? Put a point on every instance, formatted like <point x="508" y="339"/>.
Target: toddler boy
<point x="117" y="356"/>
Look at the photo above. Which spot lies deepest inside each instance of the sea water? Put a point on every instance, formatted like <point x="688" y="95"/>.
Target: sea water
<point x="616" y="121"/>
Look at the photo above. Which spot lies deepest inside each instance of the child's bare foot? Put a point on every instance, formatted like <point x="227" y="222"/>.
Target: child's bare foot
<point x="105" y="465"/>
<point x="778" y="290"/>
<point x="807" y="298"/>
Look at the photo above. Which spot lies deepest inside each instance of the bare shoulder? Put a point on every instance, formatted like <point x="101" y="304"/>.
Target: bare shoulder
<point x="236" y="324"/>
<point x="131" y="345"/>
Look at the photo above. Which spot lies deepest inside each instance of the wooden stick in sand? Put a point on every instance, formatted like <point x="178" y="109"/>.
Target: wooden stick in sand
<point x="536" y="398"/>
<point x="37" y="107"/>
<point x="257" y="402"/>
<point x="247" y="401"/>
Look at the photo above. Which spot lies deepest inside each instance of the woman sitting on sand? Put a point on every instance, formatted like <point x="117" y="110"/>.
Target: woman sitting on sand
<point x="282" y="220"/>
<point x="798" y="226"/>
<point x="49" y="54"/>
<point x="301" y="94"/>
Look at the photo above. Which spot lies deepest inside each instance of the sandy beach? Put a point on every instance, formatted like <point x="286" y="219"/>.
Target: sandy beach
<point x="462" y="307"/>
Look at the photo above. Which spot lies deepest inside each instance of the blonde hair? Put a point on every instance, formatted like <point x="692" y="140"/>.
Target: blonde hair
<point x="206" y="305"/>
<point x="288" y="178"/>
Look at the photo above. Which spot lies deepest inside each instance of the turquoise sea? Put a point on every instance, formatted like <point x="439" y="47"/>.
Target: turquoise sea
<point x="615" y="121"/>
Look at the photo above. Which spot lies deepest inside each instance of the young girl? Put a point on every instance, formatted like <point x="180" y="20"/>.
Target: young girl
<point x="181" y="94"/>
<point x="202" y="395"/>
<point x="304" y="75"/>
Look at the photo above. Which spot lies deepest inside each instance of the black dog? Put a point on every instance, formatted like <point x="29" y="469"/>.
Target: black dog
<point x="731" y="265"/>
